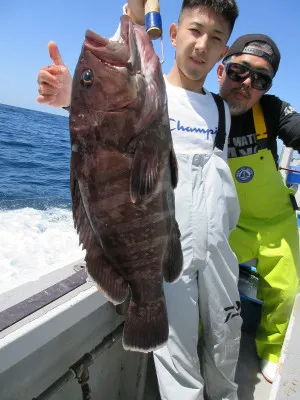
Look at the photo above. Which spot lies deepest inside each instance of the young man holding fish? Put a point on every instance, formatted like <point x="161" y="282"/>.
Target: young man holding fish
<point x="207" y="208"/>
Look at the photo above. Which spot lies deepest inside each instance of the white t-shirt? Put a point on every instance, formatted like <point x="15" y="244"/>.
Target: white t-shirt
<point x="194" y="120"/>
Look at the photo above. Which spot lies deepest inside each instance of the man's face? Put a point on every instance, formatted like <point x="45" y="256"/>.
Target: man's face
<point x="200" y="40"/>
<point x="240" y="96"/>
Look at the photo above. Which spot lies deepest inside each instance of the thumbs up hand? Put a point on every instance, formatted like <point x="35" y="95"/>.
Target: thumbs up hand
<point x="54" y="81"/>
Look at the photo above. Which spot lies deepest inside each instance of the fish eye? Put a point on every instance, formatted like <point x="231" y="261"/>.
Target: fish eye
<point x="87" y="78"/>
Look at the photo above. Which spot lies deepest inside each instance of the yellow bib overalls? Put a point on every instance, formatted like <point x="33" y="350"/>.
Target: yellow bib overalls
<point x="267" y="230"/>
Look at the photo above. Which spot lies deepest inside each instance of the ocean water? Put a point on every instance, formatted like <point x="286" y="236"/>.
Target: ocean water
<point x="36" y="225"/>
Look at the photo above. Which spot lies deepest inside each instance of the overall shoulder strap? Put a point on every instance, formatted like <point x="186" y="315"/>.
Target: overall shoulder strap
<point x="259" y="122"/>
<point x="221" y="134"/>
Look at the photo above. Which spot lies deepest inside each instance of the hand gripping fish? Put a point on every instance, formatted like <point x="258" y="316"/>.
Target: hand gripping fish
<point x="123" y="175"/>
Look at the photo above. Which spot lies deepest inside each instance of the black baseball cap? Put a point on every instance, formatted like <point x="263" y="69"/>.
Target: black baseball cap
<point x="241" y="46"/>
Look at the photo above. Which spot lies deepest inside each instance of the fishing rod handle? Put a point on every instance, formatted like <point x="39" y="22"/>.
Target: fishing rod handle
<point x="153" y="23"/>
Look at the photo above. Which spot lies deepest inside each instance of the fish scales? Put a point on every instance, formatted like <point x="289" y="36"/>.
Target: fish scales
<point x="123" y="173"/>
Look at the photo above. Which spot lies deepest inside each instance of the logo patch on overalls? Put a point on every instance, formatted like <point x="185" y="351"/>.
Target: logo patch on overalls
<point x="244" y="174"/>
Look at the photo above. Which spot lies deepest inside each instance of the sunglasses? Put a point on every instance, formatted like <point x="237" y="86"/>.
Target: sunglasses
<point x="239" y="73"/>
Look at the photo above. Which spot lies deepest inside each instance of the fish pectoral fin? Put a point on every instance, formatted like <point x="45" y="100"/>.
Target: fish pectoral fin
<point x="174" y="168"/>
<point x="145" y="170"/>
<point x="112" y="285"/>
<point x="173" y="258"/>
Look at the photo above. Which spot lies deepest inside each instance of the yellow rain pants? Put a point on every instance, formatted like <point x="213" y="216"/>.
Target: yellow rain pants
<point x="267" y="230"/>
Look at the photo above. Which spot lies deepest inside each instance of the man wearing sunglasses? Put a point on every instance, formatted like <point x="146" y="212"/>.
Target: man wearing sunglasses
<point x="267" y="229"/>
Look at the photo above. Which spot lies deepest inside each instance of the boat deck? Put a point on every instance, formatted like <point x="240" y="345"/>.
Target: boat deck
<point x="82" y="321"/>
<point x="252" y="384"/>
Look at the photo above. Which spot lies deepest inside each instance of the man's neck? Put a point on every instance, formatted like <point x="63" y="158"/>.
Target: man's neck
<point x="176" y="78"/>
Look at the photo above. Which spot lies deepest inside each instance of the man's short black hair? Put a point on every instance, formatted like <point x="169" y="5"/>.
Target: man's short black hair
<point x="228" y="9"/>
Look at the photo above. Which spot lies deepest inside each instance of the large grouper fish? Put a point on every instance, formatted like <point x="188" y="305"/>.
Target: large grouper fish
<point x="123" y="175"/>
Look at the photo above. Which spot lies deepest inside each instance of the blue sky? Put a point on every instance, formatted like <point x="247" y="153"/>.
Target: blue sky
<point x="27" y="26"/>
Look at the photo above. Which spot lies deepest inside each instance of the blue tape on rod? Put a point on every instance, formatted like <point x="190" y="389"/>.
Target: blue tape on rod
<point x="153" y="20"/>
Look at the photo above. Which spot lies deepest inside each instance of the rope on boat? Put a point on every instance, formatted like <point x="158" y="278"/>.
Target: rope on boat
<point x="290" y="169"/>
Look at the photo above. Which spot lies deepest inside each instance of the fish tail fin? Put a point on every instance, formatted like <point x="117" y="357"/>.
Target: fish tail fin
<point x="146" y="327"/>
<point x="173" y="258"/>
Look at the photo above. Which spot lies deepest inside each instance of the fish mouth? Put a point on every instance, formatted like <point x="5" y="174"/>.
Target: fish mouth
<point x="114" y="54"/>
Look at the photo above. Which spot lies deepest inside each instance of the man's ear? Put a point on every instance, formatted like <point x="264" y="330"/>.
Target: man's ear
<point x="223" y="54"/>
<point x="220" y="71"/>
<point x="173" y="34"/>
<point x="225" y="51"/>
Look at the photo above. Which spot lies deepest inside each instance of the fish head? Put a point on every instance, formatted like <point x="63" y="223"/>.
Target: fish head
<point x="120" y="79"/>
